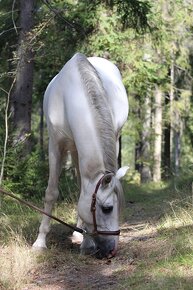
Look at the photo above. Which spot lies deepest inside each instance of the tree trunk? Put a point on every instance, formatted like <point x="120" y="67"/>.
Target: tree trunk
<point x="145" y="171"/>
<point x="177" y="150"/>
<point x="172" y="113"/>
<point x="142" y="147"/>
<point x="158" y="135"/>
<point x="22" y="95"/>
<point x="177" y="125"/>
<point x="166" y="150"/>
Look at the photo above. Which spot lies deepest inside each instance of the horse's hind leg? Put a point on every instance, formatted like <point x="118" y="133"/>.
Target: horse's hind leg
<point x="55" y="166"/>
<point x="77" y="237"/>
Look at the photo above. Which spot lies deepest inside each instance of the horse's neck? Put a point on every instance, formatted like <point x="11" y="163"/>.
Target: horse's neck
<point x="91" y="165"/>
<point x="89" y="181"/>
<point x="93" y="158"/>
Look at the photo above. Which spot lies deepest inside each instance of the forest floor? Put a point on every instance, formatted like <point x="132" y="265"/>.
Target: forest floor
<point x="155" y="250"/>
<point x="87" y="272"/>
<point x="84" y="272"/>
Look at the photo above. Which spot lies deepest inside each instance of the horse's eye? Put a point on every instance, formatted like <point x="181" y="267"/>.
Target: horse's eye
<point x="108" y="179"/>
<point x="107" y="209"/>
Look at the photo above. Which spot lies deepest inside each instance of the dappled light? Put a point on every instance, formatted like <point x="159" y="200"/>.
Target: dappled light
<point x="137" y="53"/>
<point x="155" y="249"/>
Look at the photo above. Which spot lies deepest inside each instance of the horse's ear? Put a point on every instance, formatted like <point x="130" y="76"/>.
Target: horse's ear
<point x="121" y="172"/>
<point x="107" y="179"/>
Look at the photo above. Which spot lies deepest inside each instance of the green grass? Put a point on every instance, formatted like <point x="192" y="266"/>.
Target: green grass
<point x="18" y="230"/>
<point x="23" y="220"/>
<point x="163" y="260"/>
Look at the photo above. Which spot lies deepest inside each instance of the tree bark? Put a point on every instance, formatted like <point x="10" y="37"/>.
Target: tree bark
<point x="145" y="171"/>
<point x="166" y="162"/>
<point x="142" y="147"/>
<point x="22" y="95"/>
<point x="177" y="150"/>
<point x="175" y="121"/>
<point x="172" y="113"/>
<point x="158" y="135"/>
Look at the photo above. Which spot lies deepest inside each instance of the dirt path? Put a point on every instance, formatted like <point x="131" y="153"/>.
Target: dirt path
<point x="64" y="268"/>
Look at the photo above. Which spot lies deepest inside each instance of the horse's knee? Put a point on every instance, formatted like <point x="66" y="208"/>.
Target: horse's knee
<point x="51" y="194"/>
<point x="44" y="227"/>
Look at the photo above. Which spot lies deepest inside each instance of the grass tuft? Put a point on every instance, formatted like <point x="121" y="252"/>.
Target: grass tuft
<point x="16" y="260"/>
<point x="156" y="245"/>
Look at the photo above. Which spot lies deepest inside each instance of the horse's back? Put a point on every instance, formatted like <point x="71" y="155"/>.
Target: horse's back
<point x="66" y="104"/>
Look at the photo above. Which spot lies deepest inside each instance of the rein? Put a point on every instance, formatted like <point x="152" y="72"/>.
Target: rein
<point x="74" y="228"/>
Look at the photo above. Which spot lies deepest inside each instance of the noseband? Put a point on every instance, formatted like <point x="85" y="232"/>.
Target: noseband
<point x="93" y="210"/>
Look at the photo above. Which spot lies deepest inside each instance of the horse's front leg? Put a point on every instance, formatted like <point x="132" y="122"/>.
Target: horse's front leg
<point x="55" y="165"/>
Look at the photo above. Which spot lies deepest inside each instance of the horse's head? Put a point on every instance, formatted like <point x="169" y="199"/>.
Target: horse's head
<point x="99" y="208"/>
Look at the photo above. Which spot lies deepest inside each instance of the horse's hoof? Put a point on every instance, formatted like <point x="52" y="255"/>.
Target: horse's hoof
<point x="77" y="238"/>
<point x="38" y="249"/>
<point x="39" y="246"/>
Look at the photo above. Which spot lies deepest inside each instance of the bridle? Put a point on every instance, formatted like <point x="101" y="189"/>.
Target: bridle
<point x="77" y="229"/>
<point x="93" y="209"/>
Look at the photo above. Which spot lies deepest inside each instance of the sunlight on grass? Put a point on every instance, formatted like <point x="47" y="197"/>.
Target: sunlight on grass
<point x="16" y="260"/>
<point x="181" y="214"/>
<point x="175" y="269"/>
<point x="172" y="273"/>
<point x="66" y="211"/>
<point x="166" y="260"/>
<point x="18" y="230"/>
<point x="156" y="243"/>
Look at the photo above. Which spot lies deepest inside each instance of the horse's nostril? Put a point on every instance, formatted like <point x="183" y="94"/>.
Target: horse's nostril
<point x="107" y="209"/>
<point x="99" y="255"/>
<point x="112" y="253"/>
<point x="105" y="247"/>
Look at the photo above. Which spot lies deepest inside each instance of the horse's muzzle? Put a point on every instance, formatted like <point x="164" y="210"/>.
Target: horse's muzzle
<point x="106" y="248"/>
<point x="99" y="246"/>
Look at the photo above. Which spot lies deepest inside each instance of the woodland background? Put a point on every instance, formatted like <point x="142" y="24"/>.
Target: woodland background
<point x="152" y="44"/>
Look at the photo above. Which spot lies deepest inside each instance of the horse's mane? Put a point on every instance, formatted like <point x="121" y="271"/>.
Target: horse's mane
<point x="104" y="123"/>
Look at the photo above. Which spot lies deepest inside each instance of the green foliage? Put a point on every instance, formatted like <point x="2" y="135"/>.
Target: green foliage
<point x="138" y="14"/>
<point x="140" y="37"/>
<point x="132" y="13"/>
<point x="25" y="175"/>
<point x="29" y="175"/>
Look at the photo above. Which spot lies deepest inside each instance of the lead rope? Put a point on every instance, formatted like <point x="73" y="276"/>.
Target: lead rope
<point x="79" y="230"/>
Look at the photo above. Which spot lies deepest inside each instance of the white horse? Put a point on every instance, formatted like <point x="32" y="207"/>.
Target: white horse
<point x="86" y="106"/>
